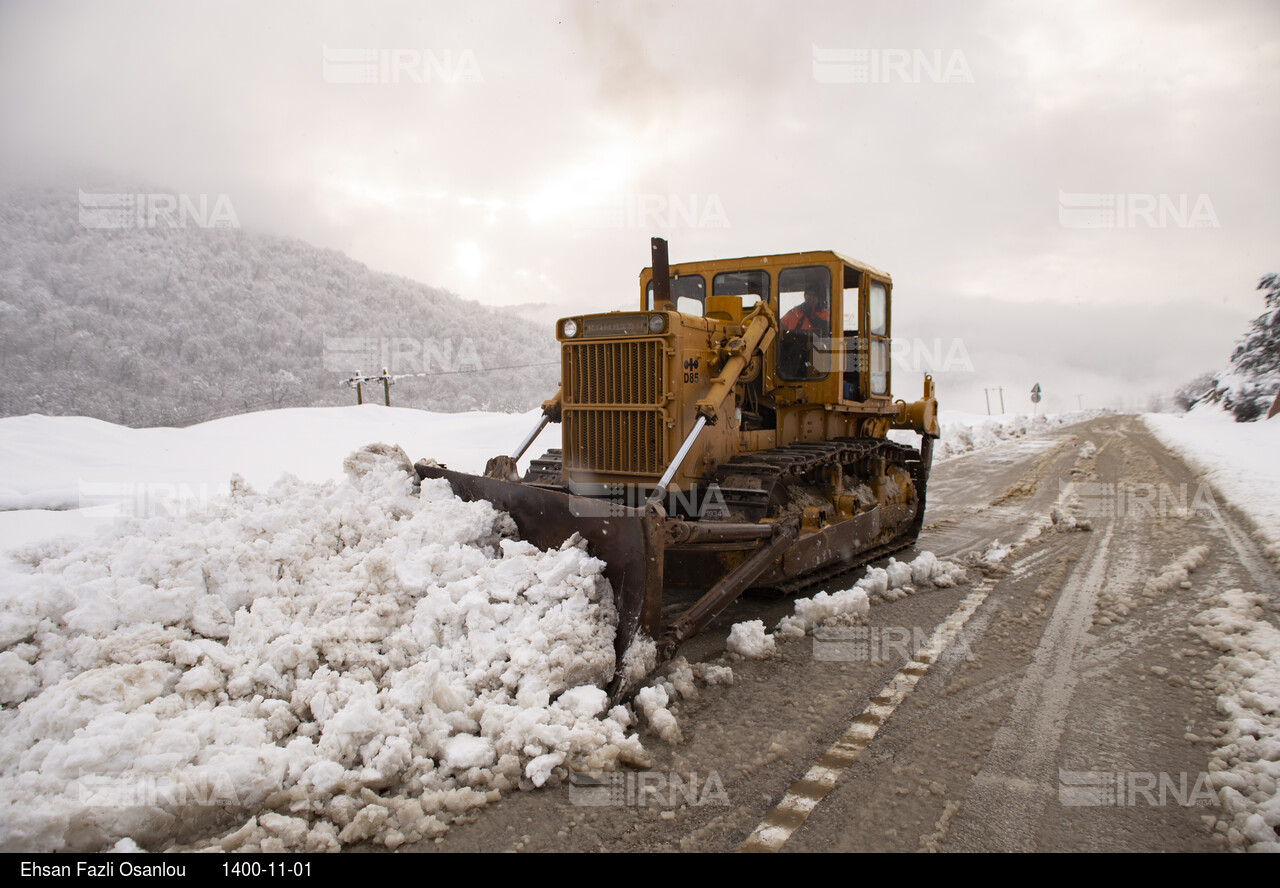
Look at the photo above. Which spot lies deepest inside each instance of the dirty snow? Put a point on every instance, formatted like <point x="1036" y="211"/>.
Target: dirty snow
<point x="749" y="640"/>
<point x="878" y="583"/>
<point x="969" y="432"/>
<point x="300" y="669"/>
<point x="1245" y="766"/>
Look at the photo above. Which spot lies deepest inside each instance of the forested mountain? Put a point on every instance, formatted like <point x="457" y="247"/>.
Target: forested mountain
<point x="169" y="325"/>
<point x="1250" y="382"/>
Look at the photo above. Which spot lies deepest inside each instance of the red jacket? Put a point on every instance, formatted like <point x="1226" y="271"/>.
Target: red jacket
<point x="800" y="319"/>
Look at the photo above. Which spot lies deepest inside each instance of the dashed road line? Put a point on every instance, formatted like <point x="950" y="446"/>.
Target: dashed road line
<point x="784" y="818"/>
<point x="803" y="796"/>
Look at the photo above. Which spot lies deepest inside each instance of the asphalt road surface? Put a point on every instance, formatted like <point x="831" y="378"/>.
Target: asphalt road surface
<point x="1054" y="702"/>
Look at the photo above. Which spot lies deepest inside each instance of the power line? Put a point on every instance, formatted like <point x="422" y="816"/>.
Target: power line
<point x="472" y="370"/>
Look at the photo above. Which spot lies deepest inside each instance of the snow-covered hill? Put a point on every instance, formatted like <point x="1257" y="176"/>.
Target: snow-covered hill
<point x="170" y="325"/>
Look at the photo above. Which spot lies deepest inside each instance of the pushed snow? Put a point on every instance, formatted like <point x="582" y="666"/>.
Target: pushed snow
<point x="317" y="665"/>
<point x="1245" y="767"/>
<point x="881" y="583"/>
<point x="995" y="553"/>
<point x="749" y="640"/>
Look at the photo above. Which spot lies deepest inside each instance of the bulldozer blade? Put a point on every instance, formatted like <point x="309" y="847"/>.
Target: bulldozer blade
<point x="628" y="540"/>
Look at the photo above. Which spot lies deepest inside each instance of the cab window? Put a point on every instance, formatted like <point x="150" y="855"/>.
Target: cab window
<point x="878" y="328"/>
<point x="688" y="291"/>
<point x="752" y="286"/>
<point x="804" y="306"/>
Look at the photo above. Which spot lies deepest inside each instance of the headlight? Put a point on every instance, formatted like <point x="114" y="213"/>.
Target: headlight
<point x="569" y="328"/>
<point x="657" y="323"/>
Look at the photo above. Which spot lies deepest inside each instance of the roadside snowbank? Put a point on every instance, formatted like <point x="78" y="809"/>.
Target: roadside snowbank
<point x="1245" y="766"/>
<point x="317" y="665"/>
<point x="46" y="461"/>
<point x="1237" y="458"/>
<point x="969" y="432"/>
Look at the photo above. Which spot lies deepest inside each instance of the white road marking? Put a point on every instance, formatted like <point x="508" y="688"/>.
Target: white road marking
<point x="804" y="795"/>
<point x="784" y="818"/>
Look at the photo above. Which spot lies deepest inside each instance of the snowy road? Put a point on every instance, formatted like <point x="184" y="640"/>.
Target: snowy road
<point x="1075" y="710"/>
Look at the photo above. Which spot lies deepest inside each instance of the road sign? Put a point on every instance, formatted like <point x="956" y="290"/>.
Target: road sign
<point x="1035" y="393"/>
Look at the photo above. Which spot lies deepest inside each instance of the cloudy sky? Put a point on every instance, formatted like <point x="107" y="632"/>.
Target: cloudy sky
<point x="1077" y="194"/>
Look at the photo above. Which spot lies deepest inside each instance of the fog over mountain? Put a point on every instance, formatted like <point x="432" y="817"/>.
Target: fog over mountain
<point x="178" y="323"/>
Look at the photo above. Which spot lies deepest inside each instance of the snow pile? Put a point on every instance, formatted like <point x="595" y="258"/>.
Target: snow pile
<point x="1176" y="575"/>
<point x="968" y="432"/>
<point x="678" y="681"/>
<point x="652" y="703"/>
<point x="749" y="640"/>
<point x="319" y="665"/>
<point x="995" y="553"/>
<point x="1245" y="768"/>
<point x="881" y="583"/>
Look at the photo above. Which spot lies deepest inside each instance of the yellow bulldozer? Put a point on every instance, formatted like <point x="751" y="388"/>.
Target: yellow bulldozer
<point x="729" y="434"/>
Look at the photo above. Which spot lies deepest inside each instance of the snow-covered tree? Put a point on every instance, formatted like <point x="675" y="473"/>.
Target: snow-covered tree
<point x="1248" y="386"/>
<point x="1190" y="392"/>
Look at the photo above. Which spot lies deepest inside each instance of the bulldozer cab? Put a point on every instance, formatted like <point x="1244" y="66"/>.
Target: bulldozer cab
<point x="833" y="317"/>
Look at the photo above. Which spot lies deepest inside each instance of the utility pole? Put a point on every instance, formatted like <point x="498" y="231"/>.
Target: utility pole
<point x="1079" y="403"/>
<point x="357" y="382"/>
<point x="987" y="392"/>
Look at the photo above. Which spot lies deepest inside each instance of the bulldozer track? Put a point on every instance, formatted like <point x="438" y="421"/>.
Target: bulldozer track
<point x="748" y="484"/>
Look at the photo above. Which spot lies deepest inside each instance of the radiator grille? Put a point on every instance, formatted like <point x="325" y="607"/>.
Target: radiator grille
<point x="614" y="373"/>
<point x="613" y="397"/>
<point x="621" y="441"/>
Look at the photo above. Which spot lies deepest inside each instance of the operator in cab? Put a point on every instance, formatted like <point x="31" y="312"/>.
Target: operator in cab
<point x="814" y="314"/>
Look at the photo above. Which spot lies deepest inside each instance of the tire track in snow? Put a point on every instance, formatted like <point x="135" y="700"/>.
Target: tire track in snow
<point x="1002" y="809"/>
